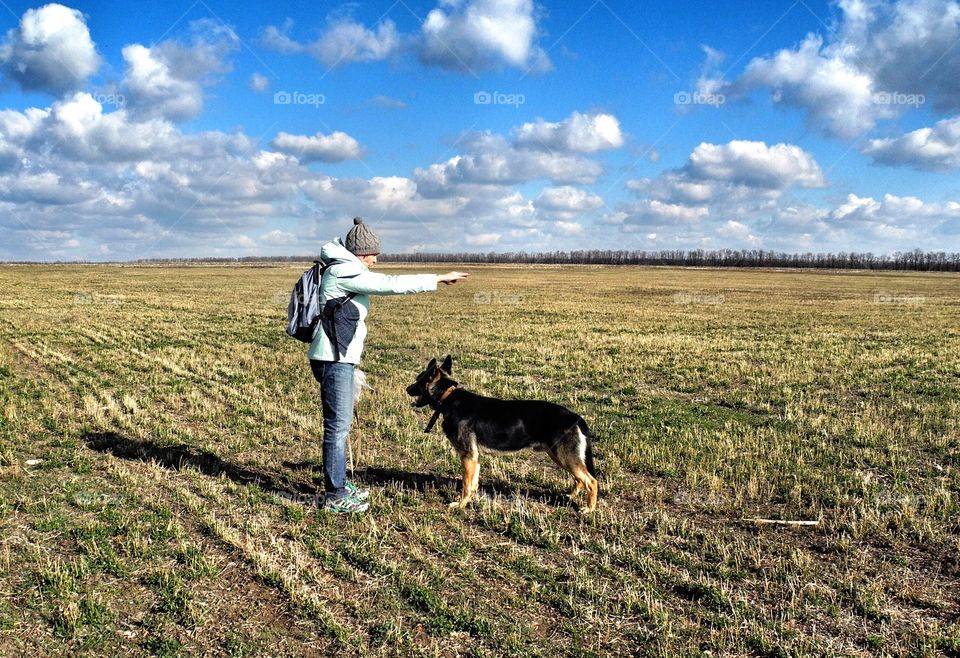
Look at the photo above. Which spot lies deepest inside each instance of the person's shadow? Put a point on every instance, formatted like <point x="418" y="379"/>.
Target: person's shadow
<point x="177" y="457"/>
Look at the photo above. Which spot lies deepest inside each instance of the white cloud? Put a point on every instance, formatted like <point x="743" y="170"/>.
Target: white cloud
<point x="46" y="188"/>
<point x="347" y="41"/>
<point x="243" y="242"/>
<point x="388" y="102"/>
<point x="580" y="133"/>
<point x="167" y="80"/>
<point x="259" y="83"/>
<point x="878" y="49"/>
<point x="834" y="90"/>
<point x="755" y="164"/>
<point x="568" y="228"/>
<point x="480" y="34"/>
<point x="935" y="149"/>
<point x="278" y="39"/>
<point x="855" y="207"/>
<point x="280" y="238"/>
<point x="737" y="231"/>
<point x="482" y="239"/>
<point x="335" y="147"/>
<point x="461" y="35"/>
<point x="893" y="209"/>
<point x="491" y="159"/>
<point x="51" y="50"/>
<point x="78" y="128"/>
<point x="567" y="198"/>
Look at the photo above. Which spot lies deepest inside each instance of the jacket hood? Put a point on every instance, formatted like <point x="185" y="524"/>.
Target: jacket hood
<point x="335" y="251"/>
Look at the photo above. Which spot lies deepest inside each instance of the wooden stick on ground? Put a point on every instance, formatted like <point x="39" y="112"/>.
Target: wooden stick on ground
<point x="780" y="522"/>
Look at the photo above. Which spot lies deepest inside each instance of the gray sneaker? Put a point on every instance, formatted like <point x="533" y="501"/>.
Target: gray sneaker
<point x="345" y="505"/>
<point x="352" y="490"/>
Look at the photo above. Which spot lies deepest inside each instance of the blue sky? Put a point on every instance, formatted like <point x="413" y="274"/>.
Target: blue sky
<point x="207" y="128"/>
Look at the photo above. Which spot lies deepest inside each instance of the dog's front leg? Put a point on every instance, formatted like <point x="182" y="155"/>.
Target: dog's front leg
<point x="471" y="476"/>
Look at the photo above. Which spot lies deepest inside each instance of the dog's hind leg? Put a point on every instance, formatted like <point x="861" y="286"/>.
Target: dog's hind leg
<point x="588" y="482"/>
<point x="471" y="476"/>
<point x="577" y="484"/>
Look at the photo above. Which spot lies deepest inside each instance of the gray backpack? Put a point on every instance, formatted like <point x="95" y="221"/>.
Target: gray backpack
<point x="304" y="312"/>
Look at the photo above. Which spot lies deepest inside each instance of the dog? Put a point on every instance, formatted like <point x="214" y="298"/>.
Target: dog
<point x="476" y="424"/>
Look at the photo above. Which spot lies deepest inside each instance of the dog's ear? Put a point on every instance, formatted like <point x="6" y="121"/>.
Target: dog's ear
<point x="447" y="366"/>
<point x="432" y="365"/>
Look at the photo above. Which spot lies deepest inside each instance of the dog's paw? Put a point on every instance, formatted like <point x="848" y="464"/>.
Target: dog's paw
<point x="586" y="510"/>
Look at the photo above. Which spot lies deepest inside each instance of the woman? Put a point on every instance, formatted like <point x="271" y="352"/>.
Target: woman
<point x="345" y="296"/>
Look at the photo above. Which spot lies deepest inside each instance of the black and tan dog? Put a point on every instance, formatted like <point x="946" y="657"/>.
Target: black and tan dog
<point x="474" y="424"/>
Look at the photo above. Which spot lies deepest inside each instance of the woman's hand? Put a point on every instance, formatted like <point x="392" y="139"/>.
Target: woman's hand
<point x="451" y="277"/>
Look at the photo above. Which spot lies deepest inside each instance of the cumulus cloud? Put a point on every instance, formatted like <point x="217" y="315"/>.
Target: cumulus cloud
<point x="467" y="36"/>
<point x="51" y="50"/>
<point x="278" y="39"/>
<point x="564" y="204"/>
<point x="581" y="133"/>
<point x="482" y="34"/>
<point x="835" y="91"/>
<point x="167" y="80"/>
<point x="933" y="149"/>
<point x="892" y="207"/>
<point x="335" y="147"/>
<point x="347" y="41"/>
<point x="879" y="54"/>
<point x="723" y="184"/>
<point x="492" y="159"/>
<point x="755" y="164"/>
<point x="482" y="239"/>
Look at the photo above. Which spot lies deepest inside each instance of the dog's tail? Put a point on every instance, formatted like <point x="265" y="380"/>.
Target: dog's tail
<point x="582" y="425"/>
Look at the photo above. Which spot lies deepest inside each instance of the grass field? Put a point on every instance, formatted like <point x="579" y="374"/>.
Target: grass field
<point x="159" y="447"/>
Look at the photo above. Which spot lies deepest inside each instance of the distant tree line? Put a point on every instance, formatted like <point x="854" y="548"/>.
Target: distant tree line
<point x="924" y="261"/>
<point x="908" y="260"/>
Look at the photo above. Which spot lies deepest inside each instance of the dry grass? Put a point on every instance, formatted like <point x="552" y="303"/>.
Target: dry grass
<point x="178" y="431"/>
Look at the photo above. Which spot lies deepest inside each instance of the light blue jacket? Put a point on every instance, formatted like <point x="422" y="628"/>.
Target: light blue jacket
<point x="347" y="274"/>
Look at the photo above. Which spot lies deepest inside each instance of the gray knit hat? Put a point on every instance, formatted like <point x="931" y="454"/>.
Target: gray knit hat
<point x="361" y="240"/>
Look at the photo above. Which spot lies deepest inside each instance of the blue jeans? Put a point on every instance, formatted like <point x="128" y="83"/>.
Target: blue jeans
<point x="336" y="394"/>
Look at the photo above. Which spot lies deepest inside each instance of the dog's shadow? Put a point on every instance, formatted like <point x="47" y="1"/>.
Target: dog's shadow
<point x="178" y="457"/>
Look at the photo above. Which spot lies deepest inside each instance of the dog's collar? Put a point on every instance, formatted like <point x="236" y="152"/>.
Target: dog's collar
<point x="436" y="411"/>
<point x="446" y="393"/>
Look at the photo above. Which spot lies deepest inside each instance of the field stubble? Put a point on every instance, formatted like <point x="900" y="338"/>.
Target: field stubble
<point x="159" y="435"/>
